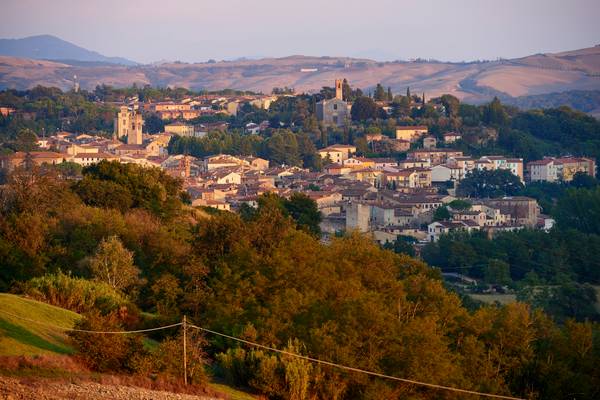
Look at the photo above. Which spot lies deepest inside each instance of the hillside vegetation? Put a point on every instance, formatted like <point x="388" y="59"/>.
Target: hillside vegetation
<point x="267" y="278"/>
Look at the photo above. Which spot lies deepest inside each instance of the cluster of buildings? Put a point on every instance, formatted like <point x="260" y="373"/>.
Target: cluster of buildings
<point x="210" y="104"/>
<point x="384" y="196"/>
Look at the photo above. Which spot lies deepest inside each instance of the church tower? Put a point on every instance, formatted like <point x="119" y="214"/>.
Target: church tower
<point x="338" y="89"/>
<point x="134" y="135"/>
<point x="128" y="123"/>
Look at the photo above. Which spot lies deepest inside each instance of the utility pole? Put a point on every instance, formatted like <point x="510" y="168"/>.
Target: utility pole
<point x="184" y="350"/>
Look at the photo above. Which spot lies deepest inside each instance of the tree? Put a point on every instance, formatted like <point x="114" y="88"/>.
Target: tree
<point x="441" y="214"/>
<point x="282" y="148"/>
<point x="402" y="244"/>
<point x="489" y="183"/>
<point x="583" y="180"/>
<point x="451" y="104"/>
<point x="364" y="108"/>
<point x="579" y="209"/>
<point x="498" y="272"/>
<point x="401" y="107"/>
<point x="26" y="141"/>
<point x="308" y="152"/>
<point x="494" y="113"/>
<point x="459" y="204"/>
<point x="304" y="211"/>
<point x="379" y="93"/>
<point x="113" y="264"/>
<point x="106" y="353"/>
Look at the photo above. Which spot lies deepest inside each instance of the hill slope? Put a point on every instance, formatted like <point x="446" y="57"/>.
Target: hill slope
<point x="473" y="82"/>
<point x="48" y="47"/>
<point x="20" y="337"/>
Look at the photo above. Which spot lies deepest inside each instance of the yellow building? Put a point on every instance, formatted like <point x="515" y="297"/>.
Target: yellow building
<point x="180" y="129"/>
<point x="337" y="153"/>
<point x="411" y="133"/>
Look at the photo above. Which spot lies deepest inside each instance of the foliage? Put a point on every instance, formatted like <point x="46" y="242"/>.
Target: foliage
<point x="580" y="209"/>
<point x="364" y="108"/>
<point x="121" y="186"/>
<point x="489" y="183"/>
<point x="441" y="214"/>
<point x="113" y="264"/>
<point x="564" y="301"/>
<point x="75" y="294"/>
<point x="553" y="257"/>
<point x="459" y="204"/>
<point x="305" y="212"/>
<point x="166" y="359"/>
<point x="106" y="353"/>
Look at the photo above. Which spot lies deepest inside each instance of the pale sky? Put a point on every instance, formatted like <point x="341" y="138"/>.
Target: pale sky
<point x="197" y="30"/>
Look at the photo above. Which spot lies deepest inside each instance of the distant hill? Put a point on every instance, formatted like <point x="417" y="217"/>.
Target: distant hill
<point x="48" y="47"/>
<point x="473" y="82"/>
<point x="583" y="100"/>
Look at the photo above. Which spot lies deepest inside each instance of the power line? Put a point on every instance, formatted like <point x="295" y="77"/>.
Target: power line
<point x="316" y="360"/>
<point x="88" y="331"/>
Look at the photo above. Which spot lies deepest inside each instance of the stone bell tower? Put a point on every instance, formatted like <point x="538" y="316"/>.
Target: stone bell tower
<point x="338" y="89"/>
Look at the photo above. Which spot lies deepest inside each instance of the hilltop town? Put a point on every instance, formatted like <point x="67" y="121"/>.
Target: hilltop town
<point x="395" y="192"/>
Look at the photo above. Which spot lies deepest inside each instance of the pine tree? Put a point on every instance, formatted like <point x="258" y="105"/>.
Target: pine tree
<point x="390" y="96"/>
<point x="408" y="92"/>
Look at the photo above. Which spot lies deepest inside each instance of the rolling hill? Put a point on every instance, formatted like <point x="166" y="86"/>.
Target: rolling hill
<point x="473" y="82"/>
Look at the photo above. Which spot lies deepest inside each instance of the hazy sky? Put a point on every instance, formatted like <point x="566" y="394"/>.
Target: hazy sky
<point x="196" y="30"/>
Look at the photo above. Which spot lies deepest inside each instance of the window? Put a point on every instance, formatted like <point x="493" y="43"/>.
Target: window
<point x="335" y="106"/>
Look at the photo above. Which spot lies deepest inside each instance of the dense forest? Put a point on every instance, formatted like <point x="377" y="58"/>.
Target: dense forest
<point x="264" y="276"/>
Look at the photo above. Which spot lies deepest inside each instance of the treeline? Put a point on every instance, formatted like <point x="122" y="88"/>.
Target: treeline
<point x="45" y="110"/>
<point x="265" y="277"/>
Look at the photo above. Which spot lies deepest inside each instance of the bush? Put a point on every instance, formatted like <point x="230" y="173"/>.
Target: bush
<point x="106" y="352"/>
<point x="76" y="294"/>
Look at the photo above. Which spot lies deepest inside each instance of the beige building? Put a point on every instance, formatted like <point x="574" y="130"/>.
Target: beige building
<point x="180" y="129"/>
<point x="411" y="133"/>
<point x="128" y="123"/>
<point x="435" y="156"/>
<point x="11" y="161"/>
<point x="337" y="153"/>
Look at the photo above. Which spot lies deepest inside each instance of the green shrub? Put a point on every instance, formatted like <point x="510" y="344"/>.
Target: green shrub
<point x="75" y="294"/>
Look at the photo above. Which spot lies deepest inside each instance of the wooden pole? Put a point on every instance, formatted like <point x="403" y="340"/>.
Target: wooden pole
<point x="184" y="350"/>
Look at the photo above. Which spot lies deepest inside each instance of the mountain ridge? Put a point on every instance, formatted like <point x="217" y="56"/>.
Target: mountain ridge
<point x="49" y="47"/>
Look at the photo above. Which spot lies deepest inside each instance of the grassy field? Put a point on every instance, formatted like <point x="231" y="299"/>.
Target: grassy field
<point x="21" y="337"/>
<point x="493" y="298"/>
